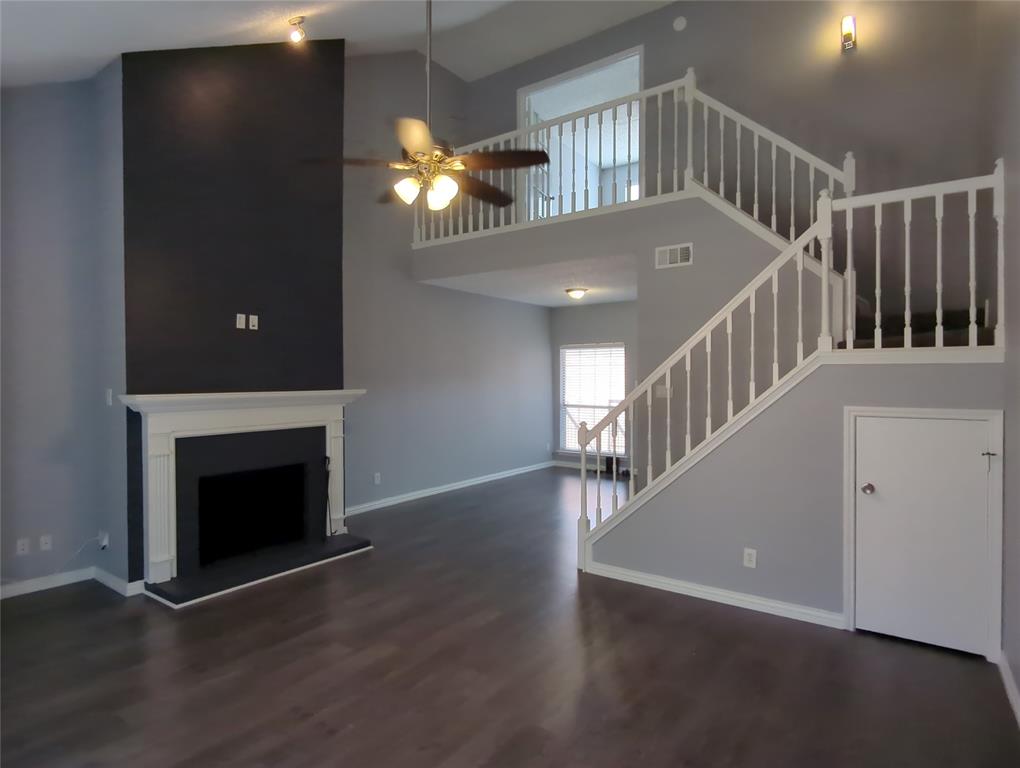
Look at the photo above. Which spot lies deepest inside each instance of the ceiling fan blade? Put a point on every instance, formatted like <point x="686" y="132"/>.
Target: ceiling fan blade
<point x="389" y="196"/>
<point x="369" y="162"/>
<point x="509" y="158"/>
<point x="414" y="135"/>
<point x="485" y="192"/>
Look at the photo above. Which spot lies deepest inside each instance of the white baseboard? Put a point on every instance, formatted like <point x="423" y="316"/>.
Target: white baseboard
<point x="391" y="500"/>
<point x="45" y="582"/>
<point x="1010" y="682"/>
<point x="117" y="584"/>
<point x="737" y="599"/>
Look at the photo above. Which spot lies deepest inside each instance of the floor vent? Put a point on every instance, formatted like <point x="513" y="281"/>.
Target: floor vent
<point x="667" y="256"/>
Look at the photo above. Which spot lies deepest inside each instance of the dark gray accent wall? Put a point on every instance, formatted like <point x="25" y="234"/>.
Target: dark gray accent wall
<point x="224" y="216"/>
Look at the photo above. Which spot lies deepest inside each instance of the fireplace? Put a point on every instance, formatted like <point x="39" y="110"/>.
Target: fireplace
<point x="240" y="487"/>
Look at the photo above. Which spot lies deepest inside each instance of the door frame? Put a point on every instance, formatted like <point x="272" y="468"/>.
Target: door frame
<point x="993" y="420"/>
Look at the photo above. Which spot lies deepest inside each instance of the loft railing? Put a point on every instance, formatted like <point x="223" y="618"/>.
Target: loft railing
<point x="664" y="140"/>
<point x="780" y="322"/>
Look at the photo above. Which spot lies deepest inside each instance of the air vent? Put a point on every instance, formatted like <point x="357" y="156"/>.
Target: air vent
<point x="674" y="255"/>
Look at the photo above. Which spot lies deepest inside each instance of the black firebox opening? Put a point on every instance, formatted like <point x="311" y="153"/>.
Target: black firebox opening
<point x="241" y="512"/>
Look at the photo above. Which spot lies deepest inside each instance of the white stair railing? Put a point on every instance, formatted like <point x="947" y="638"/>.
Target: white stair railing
<point x="656" y="142"/>
<point x="776" y="310"/>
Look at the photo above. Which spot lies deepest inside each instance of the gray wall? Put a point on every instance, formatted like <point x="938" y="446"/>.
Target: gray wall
<point x="458" y="384"/>
<point x="777" y="486"/>
<point x="62" y="447"/>
<point x="591" y="324"/>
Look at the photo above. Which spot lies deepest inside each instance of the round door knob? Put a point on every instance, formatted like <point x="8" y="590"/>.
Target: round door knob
<point x="867" y="489"/>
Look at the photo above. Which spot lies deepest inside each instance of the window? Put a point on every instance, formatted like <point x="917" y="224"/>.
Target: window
<point x="592" y="381"/>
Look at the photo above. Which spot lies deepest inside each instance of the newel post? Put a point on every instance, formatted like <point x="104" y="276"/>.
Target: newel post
<point x="849" y="174"/>
<point x="690" y="88"/>
<point x="582" y="518"/>
<point x="825" y="236"/>
<point x="999" y="210"/>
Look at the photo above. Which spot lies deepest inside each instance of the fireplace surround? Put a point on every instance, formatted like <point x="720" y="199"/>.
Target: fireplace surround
<point x="166" y="419"/>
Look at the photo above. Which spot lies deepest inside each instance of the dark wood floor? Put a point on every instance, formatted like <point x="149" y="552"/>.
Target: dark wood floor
<point x="467" y="639"/>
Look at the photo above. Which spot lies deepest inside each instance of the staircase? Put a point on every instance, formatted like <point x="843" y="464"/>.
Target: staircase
<point x="773" y="333"/>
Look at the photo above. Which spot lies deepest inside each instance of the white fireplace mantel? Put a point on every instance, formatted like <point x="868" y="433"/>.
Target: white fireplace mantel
<point x="168" y="417"/>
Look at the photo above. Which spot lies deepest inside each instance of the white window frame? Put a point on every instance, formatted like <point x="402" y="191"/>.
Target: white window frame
<point x="561" y="407"/>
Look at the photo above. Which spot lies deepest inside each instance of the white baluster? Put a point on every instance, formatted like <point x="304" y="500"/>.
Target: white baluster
<point x="573" y="165"/>
<point x="907" y="341"/>
<point x="775" y="222"/>
<point x="939" y="212"/>
<point x="676" y="139"/>
<point x="878" y="276"/>
<point x="630" y="161"/>
<point x="615" y="165"/>
<point x="729" y="366"/>
<point x="999" y="212"/>
<point x="586" y="163"/>
<point x="972" y="268"/>
<point x="559" y="169"/>
<point x="722" y="155"/>
<point x="704" y="120"/>
<point x="800" y="306"/>
<point x="775" y="327"/>
<point x="687" y="407"/>
<point x="616" y="460"/>
<point x="599" y="180"/>
<point x="793" y="218"/>
<point x="582" y="518"/>
<point x="669" y="418"/>
<point x="756" y="177"/>
<point x="690" y="88"/>
<point x="633" y="447"/>
<point x="598" y="478"/>
<point x="825" y="235"/>
<point x="514" y="183"/>
<point x="708" y="385"/>
<point x="849" y="175"/>
<point x="658" y="156"/>
<point x="648" y="400"/>
<point x="751" y="393"/>
<point x="738" y="164"/>
<point x="849" y="279"/>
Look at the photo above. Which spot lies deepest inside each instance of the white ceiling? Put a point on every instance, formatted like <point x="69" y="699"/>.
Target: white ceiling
<point x="608" y="279"/>
<point x="59" y="40"/>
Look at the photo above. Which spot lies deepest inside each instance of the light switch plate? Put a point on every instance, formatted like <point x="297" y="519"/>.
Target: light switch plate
<point x="24" y="546"/>
<point x="240" y="323"/>
<point x="750" y="557"/>
<point x="253" y="322"/>
<point x="45" y="543"/>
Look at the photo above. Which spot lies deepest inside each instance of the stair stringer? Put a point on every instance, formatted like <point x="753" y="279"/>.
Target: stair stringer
<point x="794" y="377"/>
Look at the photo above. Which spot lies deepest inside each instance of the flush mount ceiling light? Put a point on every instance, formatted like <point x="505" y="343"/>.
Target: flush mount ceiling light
<point x="576" y="293"/>
<point x="297" y="32"/>
<point x="848" y="32"/>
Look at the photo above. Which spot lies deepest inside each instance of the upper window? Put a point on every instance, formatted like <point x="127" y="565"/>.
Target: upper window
<point x="592" y="381"/>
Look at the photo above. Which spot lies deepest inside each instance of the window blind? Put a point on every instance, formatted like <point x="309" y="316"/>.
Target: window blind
<point x="592" y="381"/>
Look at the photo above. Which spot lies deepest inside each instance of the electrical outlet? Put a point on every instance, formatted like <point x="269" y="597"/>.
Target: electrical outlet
<point x="109" y="396"/>
<point x="24" y="546"/>
<point x="240" y="321"/>
<point x="45" y="543"/>
<point x="377" y="478"/>
<point x="253" y="322"/>
<point x="104" y="539"/>
<point x="750" y="557"/>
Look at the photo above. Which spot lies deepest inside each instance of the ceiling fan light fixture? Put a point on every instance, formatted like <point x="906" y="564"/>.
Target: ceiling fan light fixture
<point x="576" y="293"/>
<point x="436" y="200"/>
<point x="446" y="186"/>
<point x="407" y="189"/>
<point x="297" y="32"/>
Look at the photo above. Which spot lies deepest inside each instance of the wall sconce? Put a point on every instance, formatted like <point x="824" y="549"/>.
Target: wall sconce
<point x="297" y="32"/>
<point x="848" y="30"/>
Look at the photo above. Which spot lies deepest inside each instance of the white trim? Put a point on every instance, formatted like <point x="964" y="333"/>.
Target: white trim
<point x="178" y="606"/>
<point x="993" y="419"/>
<point x="168" y="417"/>
<point x="117" y="584"/>
<point x="1010" y="684"/>
<point x="716" y="595"/>
<point x="525" y="90"/>
<point x="27" y="586"/>
<point x="389" y="501"/>
<point x="791" y="380"/>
